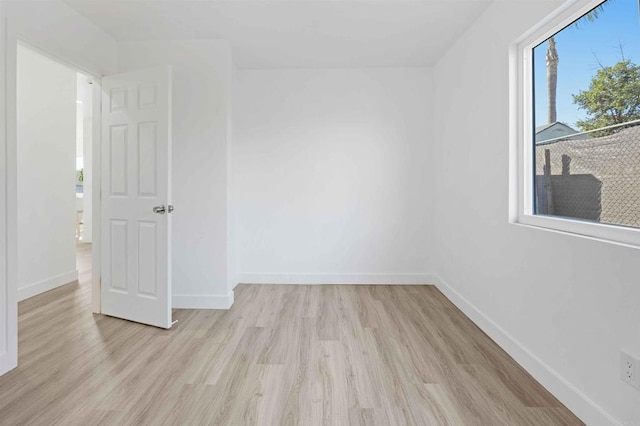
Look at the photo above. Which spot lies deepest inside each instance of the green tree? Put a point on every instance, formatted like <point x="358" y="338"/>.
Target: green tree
<point x="613" y="96"/>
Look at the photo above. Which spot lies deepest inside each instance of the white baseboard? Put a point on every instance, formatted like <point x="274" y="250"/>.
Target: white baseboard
<point x="583" y="407"/>
<point x="46" y="285"/>
<point x="204" y="301"/>
<point x="7" y="363"/>
<point x="365" y="279"/>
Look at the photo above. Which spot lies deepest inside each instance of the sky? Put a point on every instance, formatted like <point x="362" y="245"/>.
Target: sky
<point x="581" y="49"/>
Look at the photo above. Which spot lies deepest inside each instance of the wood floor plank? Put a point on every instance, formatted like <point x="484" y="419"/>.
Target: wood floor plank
<point x="282" y="355"/>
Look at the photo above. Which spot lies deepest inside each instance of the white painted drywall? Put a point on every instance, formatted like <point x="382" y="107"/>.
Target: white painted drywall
<point x="61" y="32"/>
<point x="232" y="264"/>
<point x="46" y="174"/>
<point x="562" y="305"/>
<point x="330" y="175"/>
<point x="201" y="85"/>
<point x="291" y="34"/>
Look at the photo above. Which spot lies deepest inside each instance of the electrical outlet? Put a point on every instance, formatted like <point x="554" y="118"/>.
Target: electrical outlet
<point x="630" y="370"/>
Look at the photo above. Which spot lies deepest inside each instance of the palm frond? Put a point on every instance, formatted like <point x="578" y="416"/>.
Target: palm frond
<point x="593" y="14"/>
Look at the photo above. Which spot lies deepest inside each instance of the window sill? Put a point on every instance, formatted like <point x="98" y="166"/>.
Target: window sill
<point x="619" y="235"/>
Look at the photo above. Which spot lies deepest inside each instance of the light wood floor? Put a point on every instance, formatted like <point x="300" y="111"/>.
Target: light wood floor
<point x="283" y="355"/>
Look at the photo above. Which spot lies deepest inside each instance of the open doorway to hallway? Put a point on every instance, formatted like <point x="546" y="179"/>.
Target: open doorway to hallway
<point x="54" y="158"/>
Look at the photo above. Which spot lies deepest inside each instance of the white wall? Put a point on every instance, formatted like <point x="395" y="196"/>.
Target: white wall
<point x="46" y="174"/>
<point x="562" y="305"/>
<point x="329" y="175"/>
<point x="201" y="99"/>
<point x="62" y="32"/>
<point x="232" y="264"/>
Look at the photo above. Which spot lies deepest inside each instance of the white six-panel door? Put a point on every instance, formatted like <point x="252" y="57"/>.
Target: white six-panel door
<point x="136" y="156"/>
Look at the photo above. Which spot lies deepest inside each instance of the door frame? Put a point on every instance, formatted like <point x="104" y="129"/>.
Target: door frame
<point x="13" y="39"/>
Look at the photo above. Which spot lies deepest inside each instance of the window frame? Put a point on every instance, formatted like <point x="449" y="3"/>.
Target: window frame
<point x="521" y="135"/>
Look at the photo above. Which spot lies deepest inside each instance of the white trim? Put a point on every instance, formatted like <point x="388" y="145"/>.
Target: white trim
<point x="46" y="285"/>
<point x="580" y="404"/>
<point x="7" y="363"/>
<point x="521" y="170"/>
<point x="364" y="279"/>
<point x="620" y="235"/>
<point x="96" y="210"/>
<point x="204" y="301"/>
<point x="8" y="304"/>
<point x="563" y="16"/>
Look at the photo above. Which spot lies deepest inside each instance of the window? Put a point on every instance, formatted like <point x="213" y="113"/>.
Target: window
<point x="576" y="127"/>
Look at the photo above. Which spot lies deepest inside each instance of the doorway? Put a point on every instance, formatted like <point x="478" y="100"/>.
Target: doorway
<point x="84" y="176"/>
<point x="54" y="138"/>
<point x="130" y="268"/>
<point x="54" y="117"/>
<point x="148" y="90"/>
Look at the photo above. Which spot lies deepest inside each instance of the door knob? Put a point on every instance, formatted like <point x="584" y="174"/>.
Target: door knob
<point x="169" y="208"/>
<point x="159" y="209"/>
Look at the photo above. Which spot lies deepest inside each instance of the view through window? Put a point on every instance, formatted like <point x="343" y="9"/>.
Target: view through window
<point x="587" y="118"/>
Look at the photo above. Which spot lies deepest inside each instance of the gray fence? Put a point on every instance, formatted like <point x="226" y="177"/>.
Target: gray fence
<point x="596" y="179"/>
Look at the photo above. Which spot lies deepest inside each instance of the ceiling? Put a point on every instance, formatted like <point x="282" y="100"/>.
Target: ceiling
<point x="297" y="33"/>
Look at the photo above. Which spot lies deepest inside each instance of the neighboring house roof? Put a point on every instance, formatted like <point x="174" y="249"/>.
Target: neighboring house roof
<point x="556" y="130"/>
<point x="546" y="126"/>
